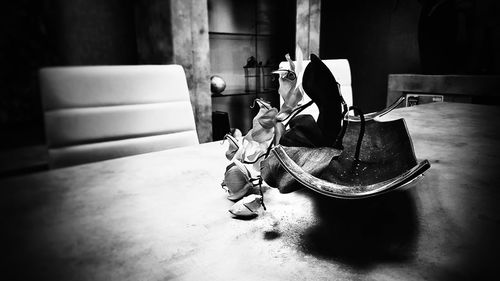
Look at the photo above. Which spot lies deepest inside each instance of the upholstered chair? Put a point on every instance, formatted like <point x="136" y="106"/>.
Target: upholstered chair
<point x="95" y="113"/>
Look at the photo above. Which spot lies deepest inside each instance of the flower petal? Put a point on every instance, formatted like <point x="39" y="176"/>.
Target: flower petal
<point x="263" y="103"/>
<point x="237" y="182"/>
<point x="233" y="147"/>
<point x="290" y="61"/>
<point x="252" y="148"/>
<point x="261" y="135"/>
<point x="286" y="87"/>
<point x="279" y="130"/>
<point x="247" y="207"/>
<point x="290" y="90"/>
<point x="257" y="150"/>
<point x="285" y="111"/>
<point x="268" y="119"/>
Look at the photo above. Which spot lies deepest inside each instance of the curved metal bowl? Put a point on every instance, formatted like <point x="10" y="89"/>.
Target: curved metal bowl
<point x="386" y="162"/>
<point x="346" y="190"/>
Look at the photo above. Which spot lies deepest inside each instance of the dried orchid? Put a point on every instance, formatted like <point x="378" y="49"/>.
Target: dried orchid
<point x="246" y="153"/>
<point x="237" y="180"/>
<point x="256" y="144"/>
<point x="290" y="85"/>
<point x="233" y="148"/>
<point x="263" y="123"/>
<point x="247" y="207"/>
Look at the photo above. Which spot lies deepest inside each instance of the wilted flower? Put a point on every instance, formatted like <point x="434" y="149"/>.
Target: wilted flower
<point x="248" y="206"/>
<point x="237" y="180"/>
<point x="267" y="128"/>
<point x="233" y="148"/>
<point x="255" y="145"/>
<point x="263" y="123"/>
<point x="246" y="150"/>
<point x="290" y="88"/>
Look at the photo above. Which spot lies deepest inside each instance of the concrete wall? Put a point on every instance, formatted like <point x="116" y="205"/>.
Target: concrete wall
<point x="92" y="32"/>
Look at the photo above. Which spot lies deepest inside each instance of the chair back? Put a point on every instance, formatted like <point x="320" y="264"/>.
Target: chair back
<point x="94" y="113"/>
<point x="341" y="71"/>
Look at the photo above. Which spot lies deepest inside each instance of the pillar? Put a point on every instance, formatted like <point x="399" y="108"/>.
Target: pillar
<point x="308" y="26"/>
<point x="176" y="31"/>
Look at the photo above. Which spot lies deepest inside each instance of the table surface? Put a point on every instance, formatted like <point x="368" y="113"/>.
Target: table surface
<point x="163" y="216"/>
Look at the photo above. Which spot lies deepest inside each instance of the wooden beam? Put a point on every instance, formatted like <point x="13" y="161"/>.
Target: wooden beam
<point x="308" y="26"/>
<point x="176" y="31"/>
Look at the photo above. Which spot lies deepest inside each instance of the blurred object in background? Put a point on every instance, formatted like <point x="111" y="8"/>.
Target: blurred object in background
<point x="217" y="85"/>
<point x="220" y="125"/>
<point x="252" y="75"/>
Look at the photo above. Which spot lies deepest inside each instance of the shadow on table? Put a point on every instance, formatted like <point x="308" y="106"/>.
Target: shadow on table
<point x="363" y="232"/>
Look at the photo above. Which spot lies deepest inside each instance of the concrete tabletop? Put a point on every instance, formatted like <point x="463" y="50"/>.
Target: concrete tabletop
<point x="163" y="216"/>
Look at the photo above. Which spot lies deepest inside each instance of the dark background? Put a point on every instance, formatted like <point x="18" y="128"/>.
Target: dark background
<point x="409" y="36"/>
<point x="54" y="32"/>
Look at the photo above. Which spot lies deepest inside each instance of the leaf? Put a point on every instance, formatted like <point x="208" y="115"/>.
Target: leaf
<point x="320" y="85"/>
<point x="303" y="132"/>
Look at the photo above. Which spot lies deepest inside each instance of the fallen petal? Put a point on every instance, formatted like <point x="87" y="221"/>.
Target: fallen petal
<point x="248" y="206"/>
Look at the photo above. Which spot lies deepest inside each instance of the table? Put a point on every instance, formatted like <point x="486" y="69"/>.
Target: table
<point x="163" y="216"/>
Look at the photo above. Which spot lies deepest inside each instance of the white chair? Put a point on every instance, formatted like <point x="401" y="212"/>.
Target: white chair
<point x="341" y="71"/>
<point x="94" y="113"/>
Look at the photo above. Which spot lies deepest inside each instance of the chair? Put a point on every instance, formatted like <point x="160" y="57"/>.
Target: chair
<point x="94" y="113"/>
<point x="341" y="71"/>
